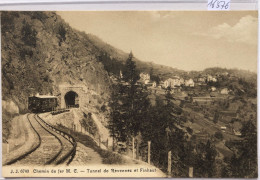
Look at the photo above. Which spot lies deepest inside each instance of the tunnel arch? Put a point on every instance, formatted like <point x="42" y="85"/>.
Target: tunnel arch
<point x="71" y="99"/>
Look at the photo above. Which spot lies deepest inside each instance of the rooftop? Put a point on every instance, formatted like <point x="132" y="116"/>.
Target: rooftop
<point x="44" y="96"/>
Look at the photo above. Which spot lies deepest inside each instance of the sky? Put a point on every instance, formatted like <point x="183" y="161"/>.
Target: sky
<point x="187" y="40"/>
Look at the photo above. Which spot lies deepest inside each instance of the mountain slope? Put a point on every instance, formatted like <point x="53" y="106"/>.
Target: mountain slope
<point x="40" y="52"/>
<point x="114" y="58"/>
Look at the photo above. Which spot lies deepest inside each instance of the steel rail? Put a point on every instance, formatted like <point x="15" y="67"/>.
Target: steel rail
<point x="70" y="138"/>
<point x="59" y="152"/>
<point x="28" y="152"/>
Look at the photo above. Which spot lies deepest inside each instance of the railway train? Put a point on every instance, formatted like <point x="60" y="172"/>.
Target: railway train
<point x="42" y="103"/>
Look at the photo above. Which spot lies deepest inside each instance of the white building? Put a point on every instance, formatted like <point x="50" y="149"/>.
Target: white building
<point x="144" y="77"/>
<point x="181" y="81"/>
<point x="213" y="88"/>
<point x="146" y="81"/>
<point x="167" y="83"/>
<point x="173" y="82"/>
<point x="211" y="79"/>
<point x="224" y="91"/>
<point x="201" y="79"/>
<point x="154" y="84"/>
<point x="214" y="79"/>
<point x="189" y="83"/>
<point x="121" y="75"/>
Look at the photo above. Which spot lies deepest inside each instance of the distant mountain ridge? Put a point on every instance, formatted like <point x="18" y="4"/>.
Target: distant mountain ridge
<point x="163" y="71"/>
<point x="120" y="56"/>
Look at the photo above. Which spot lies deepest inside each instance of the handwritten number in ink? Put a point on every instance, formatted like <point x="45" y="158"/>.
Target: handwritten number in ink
<point x="212" y="3"/>
<point x="218" y="4"/>
<point x="227" y="5"/>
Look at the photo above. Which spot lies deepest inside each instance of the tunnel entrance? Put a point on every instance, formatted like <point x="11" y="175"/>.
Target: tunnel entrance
<point x="71" y="99"/>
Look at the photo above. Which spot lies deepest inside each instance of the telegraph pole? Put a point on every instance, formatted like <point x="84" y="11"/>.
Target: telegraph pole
<point x="149" y="152"/>
<point x="133" y="147"/>
<point x="169" y="164"/>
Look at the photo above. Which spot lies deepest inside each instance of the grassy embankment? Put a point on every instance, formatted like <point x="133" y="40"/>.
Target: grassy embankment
<point x="108" y="157"/>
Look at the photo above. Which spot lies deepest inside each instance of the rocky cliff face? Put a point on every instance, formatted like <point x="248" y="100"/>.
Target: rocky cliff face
<point x="40" y="52"/>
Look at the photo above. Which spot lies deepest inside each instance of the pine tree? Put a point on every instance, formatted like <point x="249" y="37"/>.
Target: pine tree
<point x="248" y="150"/>
<point x="205" y="163"/>
<point x="129" y="105"/>
<point x="116" y="124"/>
<point x="211" y="154"/>
<point x="154" y="77"/>
<point x="130" y="73"/>
<point x="244" y="162"/>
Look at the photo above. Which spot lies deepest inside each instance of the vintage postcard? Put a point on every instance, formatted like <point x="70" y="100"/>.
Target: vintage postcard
<point x="129" y="94"/>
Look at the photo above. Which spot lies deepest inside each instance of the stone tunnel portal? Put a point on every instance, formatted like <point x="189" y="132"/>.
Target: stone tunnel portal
<point x="71" y="99"/>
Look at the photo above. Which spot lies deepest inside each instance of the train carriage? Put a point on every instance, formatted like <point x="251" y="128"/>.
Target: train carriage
<point x="42" y="103"/>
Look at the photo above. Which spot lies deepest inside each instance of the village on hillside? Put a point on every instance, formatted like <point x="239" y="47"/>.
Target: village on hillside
<point x="201" y="99"/>
<point x="181" y="86"/>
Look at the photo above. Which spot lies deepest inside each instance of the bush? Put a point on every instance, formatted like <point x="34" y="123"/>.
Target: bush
<point x="103" y="108"/>
<point x="219" y="135"/>
<point x="111" y="157"/>
<point x="61" y="34"/>
<point x="6" y="125"/>
<point x="29" y="35"/>
<point x="189" y="130"/>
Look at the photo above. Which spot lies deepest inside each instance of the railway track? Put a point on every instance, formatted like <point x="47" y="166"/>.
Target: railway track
<point x="53" y="146"/>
